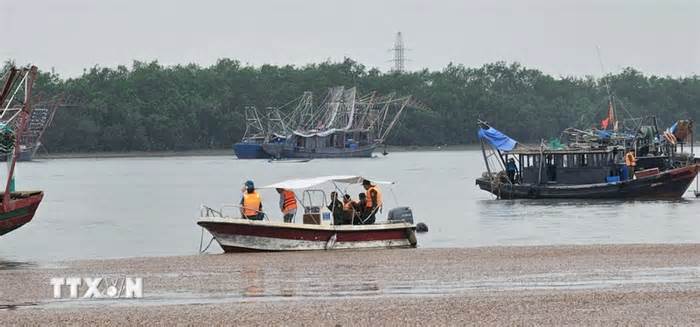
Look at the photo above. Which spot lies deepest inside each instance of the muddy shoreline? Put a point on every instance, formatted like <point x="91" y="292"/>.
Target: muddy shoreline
<point x="550" y="285"/>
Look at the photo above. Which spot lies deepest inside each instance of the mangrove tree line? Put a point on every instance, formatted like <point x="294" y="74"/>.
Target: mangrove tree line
<point x="151" y="107"/>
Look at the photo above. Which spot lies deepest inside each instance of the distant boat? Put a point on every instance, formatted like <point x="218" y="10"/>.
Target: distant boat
<point x="250" y="147"/>
<point x="321" y="146"/>
<point x="314" y="232"/>
<point x="344" y="125"/>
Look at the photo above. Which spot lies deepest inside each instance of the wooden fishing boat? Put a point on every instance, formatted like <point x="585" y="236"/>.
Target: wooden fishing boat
<point x="315" y="233"/>
<point x="588" y="170"/>
<point x="669" y="184"/>
<point x="17" y="208"/>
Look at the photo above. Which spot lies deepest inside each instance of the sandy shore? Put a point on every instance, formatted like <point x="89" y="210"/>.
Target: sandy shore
<point x="560" y="285"/>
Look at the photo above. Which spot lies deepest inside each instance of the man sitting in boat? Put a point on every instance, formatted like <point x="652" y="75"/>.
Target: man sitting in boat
<point x="373" y="201"/>
<point x="359" y="209"/>
<point x="251" y="203"/>
<point x="336" y="207"/>
<point x="348" y="209"/>
<point x="288" y="204"/>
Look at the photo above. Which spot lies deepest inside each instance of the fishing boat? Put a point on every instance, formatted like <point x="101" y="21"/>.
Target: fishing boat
<point x="586" y="170"/>
<point x="17" y="208"/>
<point x="250" y="146"/>
<point x="316" y="230"/>
<point x="345" y="125"/>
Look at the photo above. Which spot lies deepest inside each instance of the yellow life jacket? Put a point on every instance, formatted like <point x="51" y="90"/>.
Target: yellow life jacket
<point x="369" y="197"/>
<point x="251" y="203"/>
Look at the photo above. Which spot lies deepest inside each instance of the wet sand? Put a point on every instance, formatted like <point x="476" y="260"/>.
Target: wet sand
<point x="549" y="285"/>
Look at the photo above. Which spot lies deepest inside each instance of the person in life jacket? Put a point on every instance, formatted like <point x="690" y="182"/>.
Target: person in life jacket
<point x="373" y="202"/>
<point x="348" y="209"/>
<point x="631" y="163"/>
<point x="251" y="203"/>
<point x="288" y="204"/>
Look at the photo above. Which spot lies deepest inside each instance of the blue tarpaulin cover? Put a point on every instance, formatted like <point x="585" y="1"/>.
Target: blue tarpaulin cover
<point x="673" y="127"/>
<point x="497" y="139"/>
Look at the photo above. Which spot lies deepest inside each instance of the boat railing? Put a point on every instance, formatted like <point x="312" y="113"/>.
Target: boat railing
<point x="206" y="211"/>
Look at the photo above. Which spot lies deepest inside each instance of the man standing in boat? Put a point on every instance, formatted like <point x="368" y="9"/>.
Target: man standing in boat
<point x="288" y="204"/>
<point x="631" y="163"/>
<point x="251" y="203"/>
<point x="374" y="201"/>
<point x="511" y="170"/>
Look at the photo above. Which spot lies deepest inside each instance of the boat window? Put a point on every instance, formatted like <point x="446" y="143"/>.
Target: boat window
<point x="312" y="199"/>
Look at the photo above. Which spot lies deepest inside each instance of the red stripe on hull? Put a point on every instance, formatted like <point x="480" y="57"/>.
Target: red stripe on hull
<point x="30" y="203"/>
<point x="306" y="234"/>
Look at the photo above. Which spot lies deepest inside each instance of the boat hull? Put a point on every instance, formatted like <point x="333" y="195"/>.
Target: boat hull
<point x="286" y="151"/>
<point x="249" y="151"/>
<point x="670" y="184"/>
<point x="23" y="206"/>
<point x="240" y="235"/>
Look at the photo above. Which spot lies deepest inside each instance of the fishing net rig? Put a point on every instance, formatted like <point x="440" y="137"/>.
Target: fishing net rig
<point x="342" y="109"/>
<point x="16" y="106"/>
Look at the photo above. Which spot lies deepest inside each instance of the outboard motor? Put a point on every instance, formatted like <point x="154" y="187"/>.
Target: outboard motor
<point x="400" y="214"/>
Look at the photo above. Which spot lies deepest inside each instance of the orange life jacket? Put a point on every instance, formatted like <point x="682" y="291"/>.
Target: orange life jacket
<point x="289" y="202"/>
<point x="369" y="197"/>
<point x="251" y="203"/>
<point x="630" y="160"/>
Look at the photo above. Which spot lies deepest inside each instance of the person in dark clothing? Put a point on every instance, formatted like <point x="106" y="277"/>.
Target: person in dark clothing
<point x="360" y="210"/>
<point x="511" y="170"/>
<point x="336" y="207"/>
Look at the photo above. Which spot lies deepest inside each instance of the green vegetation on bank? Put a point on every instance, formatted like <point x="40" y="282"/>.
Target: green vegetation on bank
<point x="150" y="107"/>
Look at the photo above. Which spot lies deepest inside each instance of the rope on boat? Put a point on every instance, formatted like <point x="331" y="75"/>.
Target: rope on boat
<point x="201" y="239"/>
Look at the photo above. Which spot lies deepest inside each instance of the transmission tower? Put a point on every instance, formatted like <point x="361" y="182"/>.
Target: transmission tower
<point x="399" y="54"/>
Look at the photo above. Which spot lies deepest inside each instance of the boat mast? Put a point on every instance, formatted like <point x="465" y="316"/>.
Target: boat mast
<point x="22" y="117"/>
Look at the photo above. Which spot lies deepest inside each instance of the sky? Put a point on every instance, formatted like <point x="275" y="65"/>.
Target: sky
<point x="559" y="37"/>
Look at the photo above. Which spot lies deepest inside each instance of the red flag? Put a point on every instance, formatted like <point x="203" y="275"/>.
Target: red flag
<point x="605" y="122"/>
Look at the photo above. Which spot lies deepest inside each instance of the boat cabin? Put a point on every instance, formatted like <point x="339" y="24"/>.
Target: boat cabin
<point x="564" y="166"/>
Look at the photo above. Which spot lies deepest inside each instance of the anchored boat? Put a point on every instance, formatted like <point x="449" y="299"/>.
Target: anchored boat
<point x="344" y="125"/>
<point x="316" y="231"/>
<point x="586" y="170"/>
<point x="17" y="208"/>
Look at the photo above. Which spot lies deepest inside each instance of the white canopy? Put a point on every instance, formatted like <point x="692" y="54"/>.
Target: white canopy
<point x="309" y="182"/>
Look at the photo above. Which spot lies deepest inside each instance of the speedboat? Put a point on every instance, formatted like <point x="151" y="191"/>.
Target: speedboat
<point x="316" y="231"/>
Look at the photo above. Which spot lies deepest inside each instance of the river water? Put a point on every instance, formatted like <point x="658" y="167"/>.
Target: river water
<point x="128" y="207"/>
